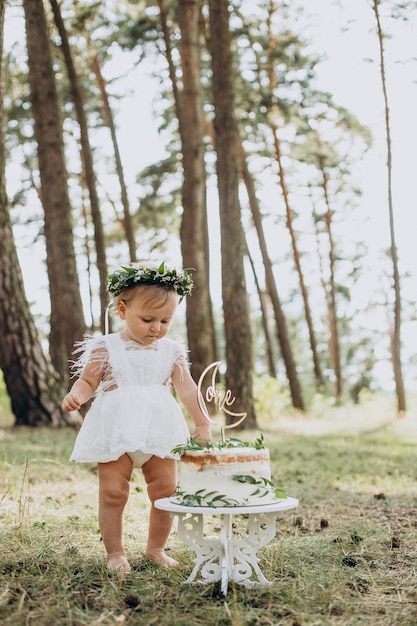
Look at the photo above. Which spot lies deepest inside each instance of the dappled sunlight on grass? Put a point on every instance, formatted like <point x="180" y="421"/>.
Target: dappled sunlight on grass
<point x="386" y="485"/>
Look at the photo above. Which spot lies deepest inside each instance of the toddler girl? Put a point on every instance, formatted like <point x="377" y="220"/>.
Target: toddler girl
<point x="134" y="420"/>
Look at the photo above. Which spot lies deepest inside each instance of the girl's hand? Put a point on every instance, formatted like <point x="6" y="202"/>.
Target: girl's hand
<point x="71" y="402"/>
<point x="81" y="392"/>
<point x="202" y="433"/>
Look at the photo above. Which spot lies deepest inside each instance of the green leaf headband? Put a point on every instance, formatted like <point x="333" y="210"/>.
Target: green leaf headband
<point x="128" y="276"/>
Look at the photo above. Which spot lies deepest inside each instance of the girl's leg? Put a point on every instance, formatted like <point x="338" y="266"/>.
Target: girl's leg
<point x="114" y="478"/>
<point x="161" y="479"/>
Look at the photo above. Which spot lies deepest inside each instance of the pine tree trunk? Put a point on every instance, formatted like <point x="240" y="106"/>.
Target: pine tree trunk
<point x="34" y="388"/>
<point x="396" y="331"/>
<point x="87" y="157"/>
<point x="280" y="321"/>
<point x="331" y="294"/>
<point x="235" y="303"/>
<point x="194" y="229"/>
<point x="67" y="319"/>
<point x="271" y="63"/>
<point x="294" y="245"/>
<point x="269" y="353"/>
<point x="108" y="120"/>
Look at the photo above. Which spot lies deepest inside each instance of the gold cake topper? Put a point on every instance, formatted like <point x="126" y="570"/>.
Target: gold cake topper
<point x="220" y="399"/>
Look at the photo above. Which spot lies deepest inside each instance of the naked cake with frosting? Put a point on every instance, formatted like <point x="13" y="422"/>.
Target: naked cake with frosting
<point x="230" y="474"/>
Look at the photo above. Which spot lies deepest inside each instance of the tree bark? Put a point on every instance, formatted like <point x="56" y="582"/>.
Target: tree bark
<point x="269" y="353"/>
<point x="235" y="304"/>
<point x="331" y="293"/>
<point x="297" y="260"/>
<point x="108" y="120"/>
<point x="289" y="213"/>
<point x="194" y="228"/>
<point x="280" y="321"/>
<point x="396" y="331"/>
<point x="35" y="389"/>
<point x="67" y="319"/>
<point x="87" y="157"/>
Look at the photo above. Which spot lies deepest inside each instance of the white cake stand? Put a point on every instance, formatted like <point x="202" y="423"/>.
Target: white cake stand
<point x="227" y="558"/>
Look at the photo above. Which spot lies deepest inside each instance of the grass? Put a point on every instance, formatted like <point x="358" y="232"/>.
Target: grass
<point x="347" y="556"/>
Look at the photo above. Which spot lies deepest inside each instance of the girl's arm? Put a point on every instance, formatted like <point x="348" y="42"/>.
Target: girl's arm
<point x="83" y="388"/>
<point x="187" y="393"/>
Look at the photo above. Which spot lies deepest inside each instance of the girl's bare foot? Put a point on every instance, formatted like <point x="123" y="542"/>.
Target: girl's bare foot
<point x="118" y="563"/>
<point x="160" y="558"/>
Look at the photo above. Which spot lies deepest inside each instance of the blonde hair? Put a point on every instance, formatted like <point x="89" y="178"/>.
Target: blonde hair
<point x="152" y="295"/>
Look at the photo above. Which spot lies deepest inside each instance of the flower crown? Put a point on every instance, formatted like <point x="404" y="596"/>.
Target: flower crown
<point x="128" y="276"/>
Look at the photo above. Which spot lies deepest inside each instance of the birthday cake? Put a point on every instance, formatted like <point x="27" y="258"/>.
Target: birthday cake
<point x="230" y="474"/>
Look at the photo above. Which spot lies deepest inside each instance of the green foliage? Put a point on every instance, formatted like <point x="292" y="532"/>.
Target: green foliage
<point x="203" y="497"/>
<point x="264" y="486"/>
<point x="272" y="398"/>
<point x="195" y="444"/>
<point x="129" y="276"/>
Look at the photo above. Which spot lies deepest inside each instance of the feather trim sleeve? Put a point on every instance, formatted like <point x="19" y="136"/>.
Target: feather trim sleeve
<point x="92" y="350"/>
<point x="181" y="357"/>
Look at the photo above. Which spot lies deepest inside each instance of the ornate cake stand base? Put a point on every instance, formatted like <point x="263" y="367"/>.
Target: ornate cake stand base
<point x="226" y="557"/>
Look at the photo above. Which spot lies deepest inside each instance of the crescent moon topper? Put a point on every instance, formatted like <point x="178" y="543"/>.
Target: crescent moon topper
<point x="221" y="399"/>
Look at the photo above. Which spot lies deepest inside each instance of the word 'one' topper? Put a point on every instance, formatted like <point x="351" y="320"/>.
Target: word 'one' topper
<point x="221" y="399"/>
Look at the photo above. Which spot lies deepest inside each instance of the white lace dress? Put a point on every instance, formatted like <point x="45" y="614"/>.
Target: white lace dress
<point x="134" y="409"/>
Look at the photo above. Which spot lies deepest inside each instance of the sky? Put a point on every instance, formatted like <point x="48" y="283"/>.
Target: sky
<point x="343" y="32"/>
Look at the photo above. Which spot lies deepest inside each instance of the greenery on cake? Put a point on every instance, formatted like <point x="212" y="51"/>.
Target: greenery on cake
<point x="195" y="444"/>
<point x="264" y="486"/>
<point x="203" y="497"/>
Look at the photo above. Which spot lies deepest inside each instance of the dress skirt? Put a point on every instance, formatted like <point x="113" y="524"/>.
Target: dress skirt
<point x="131" y="418"/>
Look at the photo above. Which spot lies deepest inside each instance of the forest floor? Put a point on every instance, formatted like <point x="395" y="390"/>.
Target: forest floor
<point x="346" y="556"/>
